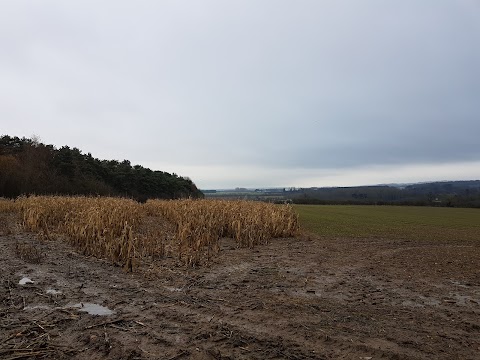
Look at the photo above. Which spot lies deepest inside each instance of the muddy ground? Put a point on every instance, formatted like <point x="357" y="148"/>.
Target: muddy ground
<point x="304" y="298"/>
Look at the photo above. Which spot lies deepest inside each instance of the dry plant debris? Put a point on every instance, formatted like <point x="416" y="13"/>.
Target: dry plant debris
<point x="122" y="230"/>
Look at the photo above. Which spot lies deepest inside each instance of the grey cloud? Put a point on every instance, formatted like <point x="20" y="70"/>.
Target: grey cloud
<point x="275" y="84"/>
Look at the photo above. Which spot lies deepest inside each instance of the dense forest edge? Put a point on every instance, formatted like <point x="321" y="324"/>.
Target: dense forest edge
<point x="28" y="166"/>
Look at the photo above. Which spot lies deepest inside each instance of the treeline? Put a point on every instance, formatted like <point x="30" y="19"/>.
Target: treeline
<point x="29" y="167"/>
<point x="446" y="193"/>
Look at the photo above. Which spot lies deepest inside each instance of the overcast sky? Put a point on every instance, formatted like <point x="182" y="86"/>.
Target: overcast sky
<point x="251" y="93"/>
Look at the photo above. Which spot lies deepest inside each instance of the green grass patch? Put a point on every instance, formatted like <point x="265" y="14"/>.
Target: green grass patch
<point x="408" y="222"/>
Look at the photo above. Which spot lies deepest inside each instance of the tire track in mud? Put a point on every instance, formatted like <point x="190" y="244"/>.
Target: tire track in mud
<point x="291" y="299"/>
<point x="241" y="337"/>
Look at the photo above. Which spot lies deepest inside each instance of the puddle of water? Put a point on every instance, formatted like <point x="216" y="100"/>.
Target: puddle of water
<point x="25" y="280"/>
<point x="465" y="300"/>
<point x="411" y="303"/>
<point x="429" y="301"/>
<point x="458" y="283"/>
<point x="92" y="309"/>
<point x="173" y="289"/>
<point x="53" y="292"/>
<point x="34" y="307"/>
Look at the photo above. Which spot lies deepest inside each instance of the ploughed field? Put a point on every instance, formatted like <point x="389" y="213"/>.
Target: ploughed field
<point x="103" y="278"/>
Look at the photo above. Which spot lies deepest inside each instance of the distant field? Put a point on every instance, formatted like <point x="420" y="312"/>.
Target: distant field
<point x="410" y="222"/>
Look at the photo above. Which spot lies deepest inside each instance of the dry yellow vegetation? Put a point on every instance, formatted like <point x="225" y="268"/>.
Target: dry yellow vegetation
<point x="200" y="224"/>
<point x="113" y="228"/>
<point x="98" y="226"/>
<point x="7" y="206"/>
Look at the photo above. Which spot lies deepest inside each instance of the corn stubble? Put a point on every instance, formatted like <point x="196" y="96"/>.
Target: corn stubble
<point x="118" y="230"/>
<point x="7" y="206"/>
<point x="200" y="224"/>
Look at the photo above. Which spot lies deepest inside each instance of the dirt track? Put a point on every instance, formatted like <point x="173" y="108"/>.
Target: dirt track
<point x="302" y="298"/>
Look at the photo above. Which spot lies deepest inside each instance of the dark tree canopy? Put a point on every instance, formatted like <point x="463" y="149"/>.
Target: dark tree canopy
<point x="30" y="167"/>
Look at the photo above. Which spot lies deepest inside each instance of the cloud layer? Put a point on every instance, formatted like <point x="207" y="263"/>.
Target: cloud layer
<point x="219" y="87"/>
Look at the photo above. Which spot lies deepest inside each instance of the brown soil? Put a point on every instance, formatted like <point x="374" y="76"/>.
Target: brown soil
<point x="305" y="298"/>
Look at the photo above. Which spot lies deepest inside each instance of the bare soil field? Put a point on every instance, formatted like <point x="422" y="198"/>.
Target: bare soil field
<point x="302" y="298"/>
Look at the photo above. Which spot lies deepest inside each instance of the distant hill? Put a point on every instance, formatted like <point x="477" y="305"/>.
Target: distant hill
<point x="442" y="193"/>
<point x="30" y="167"/>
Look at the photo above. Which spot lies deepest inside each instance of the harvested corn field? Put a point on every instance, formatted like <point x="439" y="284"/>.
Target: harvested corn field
<point x="374" y="296"/>
<point x="201" y="224"/>
<point x="128" y="233"/>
